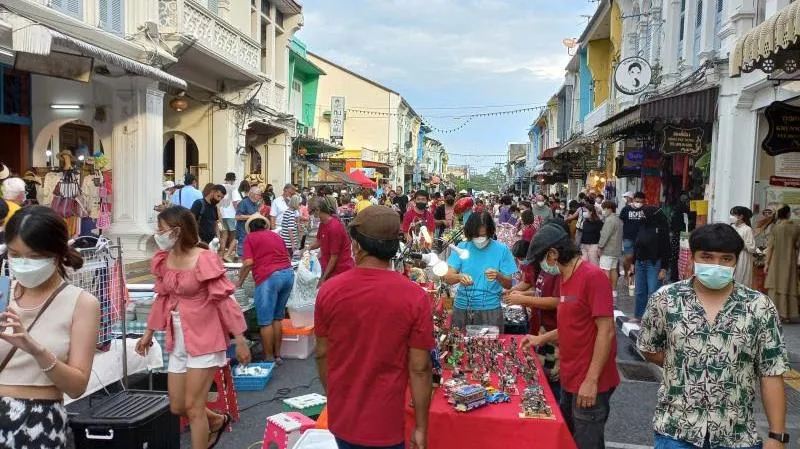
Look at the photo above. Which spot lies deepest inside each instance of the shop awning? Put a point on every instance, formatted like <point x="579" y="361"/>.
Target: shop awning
<point x="698" y="107"/>
<point x="30" y="37"/>
<point x="315" y="146"/>
<point x="764" y="47"/>
<point x="578" y="145"/>
<point x="548" y="154"/>
<point x="373" y="164"/>
<point x="303" y="65"/>
<point x="319" y="175"/>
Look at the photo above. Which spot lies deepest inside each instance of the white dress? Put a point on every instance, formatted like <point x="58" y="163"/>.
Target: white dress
<point x="744" y="267"/>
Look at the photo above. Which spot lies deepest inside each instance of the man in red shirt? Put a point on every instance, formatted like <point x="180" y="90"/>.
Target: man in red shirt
<point x="418" y="213"/>
<point x="366" y="377"/>
<point x="586" y="335"/>
<point x="336" y="255"/>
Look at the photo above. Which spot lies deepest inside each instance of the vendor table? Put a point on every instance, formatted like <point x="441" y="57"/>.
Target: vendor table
<point x="494" y="425"/>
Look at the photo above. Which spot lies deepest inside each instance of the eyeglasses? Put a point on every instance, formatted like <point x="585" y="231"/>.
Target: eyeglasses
<point x="767" y="212"/>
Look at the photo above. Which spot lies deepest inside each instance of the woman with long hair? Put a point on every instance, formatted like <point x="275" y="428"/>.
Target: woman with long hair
<point x="740" y="220"/>
<point x="52" y="327"/>
<point x="195" y="307"/>
<point x="590" y="235"/>
<point x="781" y="265"/>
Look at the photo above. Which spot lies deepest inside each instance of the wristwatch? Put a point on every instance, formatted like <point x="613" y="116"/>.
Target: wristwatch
<point x="782" y="437"/>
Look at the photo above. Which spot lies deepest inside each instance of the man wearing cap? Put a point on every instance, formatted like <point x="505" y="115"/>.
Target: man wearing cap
<point x="585" y="334"/>
<point x="280" y="205"/>
<point x="366" y="377"/>
<point x="336" y="255"/>
<point x="166" y="200"/>
<point x="265" y="254"/>
<point x="188" y="194"/>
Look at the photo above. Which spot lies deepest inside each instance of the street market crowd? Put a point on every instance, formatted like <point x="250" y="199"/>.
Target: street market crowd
<point x="715" y="329"/>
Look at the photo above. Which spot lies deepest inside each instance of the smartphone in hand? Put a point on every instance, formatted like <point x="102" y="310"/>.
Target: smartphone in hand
<point x="5" y="292"/>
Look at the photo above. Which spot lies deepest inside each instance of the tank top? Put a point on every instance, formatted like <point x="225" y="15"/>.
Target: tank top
<point x="52" y="331"/>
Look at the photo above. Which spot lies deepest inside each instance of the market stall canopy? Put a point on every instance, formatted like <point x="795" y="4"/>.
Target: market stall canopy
<point x="318" y="175"/>
<point x="768" y="46"/>
<point x="363" y="179"/>
<point x="697" y="106"/>
<point x="314" y="145"/>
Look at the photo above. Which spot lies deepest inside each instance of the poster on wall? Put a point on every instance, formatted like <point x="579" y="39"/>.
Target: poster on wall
<point x="677" y="140"/>
<point x="782" y="195"/>
<point x="783" y="134"/>
<point x="787" y="165"/>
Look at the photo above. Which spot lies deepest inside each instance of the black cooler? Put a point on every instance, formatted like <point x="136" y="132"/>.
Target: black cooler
<point x="128" y="420"/>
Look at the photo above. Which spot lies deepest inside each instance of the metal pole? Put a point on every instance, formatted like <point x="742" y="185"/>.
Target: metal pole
<point x="122" y="313"/>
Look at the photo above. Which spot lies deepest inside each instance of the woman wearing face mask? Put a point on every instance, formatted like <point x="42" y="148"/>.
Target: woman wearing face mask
<point x="41" y="362"/>
<point x="590" y="235"/>
<point x="781" y="265"/>
<point x="195" y="307"/>
<point x="482" y="275"/>
<point x="740" y="220"/>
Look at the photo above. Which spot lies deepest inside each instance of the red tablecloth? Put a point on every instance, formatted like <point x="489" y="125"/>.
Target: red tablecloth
<point x="494" y="425"/>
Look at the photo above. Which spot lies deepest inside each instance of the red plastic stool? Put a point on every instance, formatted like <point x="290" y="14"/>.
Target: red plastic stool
<point x="226" y="401"/>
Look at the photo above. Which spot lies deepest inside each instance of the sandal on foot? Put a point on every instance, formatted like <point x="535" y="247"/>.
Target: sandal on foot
<point x="225" y="423"/>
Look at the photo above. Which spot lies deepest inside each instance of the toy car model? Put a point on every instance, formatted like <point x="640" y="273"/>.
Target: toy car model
<point x="498" y="397"/>
<point x="469" y="397"/>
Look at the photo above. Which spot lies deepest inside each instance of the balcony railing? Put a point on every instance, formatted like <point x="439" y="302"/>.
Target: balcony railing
<point x="211" y="31"/>
<point x="273" y="96"/>
<point x="594" y="118"/>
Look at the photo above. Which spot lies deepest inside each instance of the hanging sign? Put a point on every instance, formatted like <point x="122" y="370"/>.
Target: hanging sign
<point x="782" y="181"/>
<point x="632" y="75"/>
<point x="337" y="120"/>
<point x="677" y="140"/>
<point x="783" y="135"/>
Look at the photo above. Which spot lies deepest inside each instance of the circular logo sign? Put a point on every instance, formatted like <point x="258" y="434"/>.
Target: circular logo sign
<point x="632" y="75"/>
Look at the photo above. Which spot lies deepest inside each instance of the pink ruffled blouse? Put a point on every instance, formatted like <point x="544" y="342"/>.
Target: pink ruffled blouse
<point x="202" y="297"/>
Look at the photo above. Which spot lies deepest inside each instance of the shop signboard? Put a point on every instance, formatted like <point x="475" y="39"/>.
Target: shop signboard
<point x="677" y="140"/>
<point x="337" y="120"/>
<point x="787" y="165"/>
<point x="783" y="135"/>
<point x="782" y="181"/>
<point x="632" y="75"/>
<point x="632" y="162"/>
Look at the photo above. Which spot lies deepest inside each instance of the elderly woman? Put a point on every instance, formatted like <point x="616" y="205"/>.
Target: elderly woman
<point x="482" y="275"/>
<point x="290" y="229"/>
<point x="265" y="255"/>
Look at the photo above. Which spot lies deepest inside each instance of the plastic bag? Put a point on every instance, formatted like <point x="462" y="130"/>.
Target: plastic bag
<point x="304" y="292"/>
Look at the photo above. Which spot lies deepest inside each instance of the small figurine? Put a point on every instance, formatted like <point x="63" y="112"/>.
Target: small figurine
<point x="534" y="405"/>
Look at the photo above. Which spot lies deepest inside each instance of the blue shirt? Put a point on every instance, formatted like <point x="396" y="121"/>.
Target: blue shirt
<point x="482" y="294"/>
<point x="246" y="207"/>
<point x="186" y="196"/>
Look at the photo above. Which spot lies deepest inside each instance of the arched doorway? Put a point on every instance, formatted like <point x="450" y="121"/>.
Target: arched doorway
<point x="256" y="163"/>
<point x="181" y="155"/>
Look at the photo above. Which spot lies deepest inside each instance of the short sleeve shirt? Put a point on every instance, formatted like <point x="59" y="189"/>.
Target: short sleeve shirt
<point x="482" y="294"/>
<point x="207" y="216"/>
<point x="268" y="253"/>
<point x="246" y="207"/>
<point x="334" y="240"/>
<point x="277" y="209"/>
<point x="711" y="370"/>
<point x="412" y="216"/>
<point x="585" y="296"/>
<point x="368" y="376"/>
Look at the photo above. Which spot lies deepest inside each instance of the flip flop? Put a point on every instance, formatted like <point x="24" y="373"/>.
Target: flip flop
<point x="225" y="423"/>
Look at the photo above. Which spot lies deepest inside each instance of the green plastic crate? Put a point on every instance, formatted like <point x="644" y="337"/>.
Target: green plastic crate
<point x="310" y="405"/>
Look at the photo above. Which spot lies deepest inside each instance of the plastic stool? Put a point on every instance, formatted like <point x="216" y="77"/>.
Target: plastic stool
<point x="284" y="429"/>
<point x="225" y="401"/>
<point x="322" y="421"/>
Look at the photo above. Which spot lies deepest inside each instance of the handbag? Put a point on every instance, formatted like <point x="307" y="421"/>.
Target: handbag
<point x="38" y="315"/>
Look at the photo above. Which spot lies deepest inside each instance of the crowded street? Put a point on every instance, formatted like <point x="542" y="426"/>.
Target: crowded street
<point x="376" y="224"/>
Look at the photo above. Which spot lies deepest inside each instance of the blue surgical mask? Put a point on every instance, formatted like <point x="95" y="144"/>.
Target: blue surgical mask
<point x="715" y="277"/>
<point x="549" y="269"/>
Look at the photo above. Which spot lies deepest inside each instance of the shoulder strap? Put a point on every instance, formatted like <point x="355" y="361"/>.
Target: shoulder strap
<point x="38" y="315"/>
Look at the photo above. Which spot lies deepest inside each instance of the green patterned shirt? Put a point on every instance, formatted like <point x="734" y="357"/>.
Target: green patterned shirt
<point x="711" y="370"/>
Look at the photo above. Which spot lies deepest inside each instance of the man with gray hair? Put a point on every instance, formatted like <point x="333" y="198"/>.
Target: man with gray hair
<point x="14" y="194"/>
<point x="280" y="205"/>
<point x="246" y="208"/>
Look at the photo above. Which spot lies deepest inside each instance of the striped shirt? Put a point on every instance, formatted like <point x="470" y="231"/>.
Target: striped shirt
<point x="288" y="221"/>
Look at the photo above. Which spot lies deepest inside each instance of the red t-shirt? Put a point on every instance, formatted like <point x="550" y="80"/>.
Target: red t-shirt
<point x="585" y="296"/>
<point x="268" y="253"/>
<point x="371" y="317"/>
<point x="411" y="216"/>
<point x="547" y="286"/>
<point x="333" y="240"/>
<point x="528" y="231"/>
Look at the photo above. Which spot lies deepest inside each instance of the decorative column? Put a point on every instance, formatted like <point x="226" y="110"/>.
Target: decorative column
<point x="137" y="165"/>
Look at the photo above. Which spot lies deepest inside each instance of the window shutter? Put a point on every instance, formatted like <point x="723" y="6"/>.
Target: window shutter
<point x="75" y="8"/>
<point x="718" y="24"/>
<point x="104" y="16"/>
<point x="213" y="6"/>
<point x="111" y="16"/>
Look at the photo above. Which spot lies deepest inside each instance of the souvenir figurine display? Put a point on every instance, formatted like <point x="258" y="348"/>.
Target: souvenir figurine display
<point x="533" y="403"/>
<point x="469" y="397"/>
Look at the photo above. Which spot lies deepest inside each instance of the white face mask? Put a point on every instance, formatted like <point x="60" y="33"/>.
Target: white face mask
<point x="540" y="203"/>
<point x="480" y="242"/>
<point x="636" y="205"/>
<point x="31" y="273"/>
<point x="165" y="241"/>
<point x="733" y="219"/>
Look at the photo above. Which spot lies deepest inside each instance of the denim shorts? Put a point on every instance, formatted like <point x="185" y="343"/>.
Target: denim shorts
<point x="272" y="295"/>
<point x="627" y="247"/>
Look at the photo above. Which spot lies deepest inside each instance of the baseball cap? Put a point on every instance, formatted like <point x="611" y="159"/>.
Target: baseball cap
<point x="546" y="237"/>
<point x="168" y="185"/>
<point x="627" y="194"/>
<point x="377" y="222"/>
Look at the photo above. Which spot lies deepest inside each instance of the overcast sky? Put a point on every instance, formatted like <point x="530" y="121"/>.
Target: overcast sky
<point x="454" y="54"/>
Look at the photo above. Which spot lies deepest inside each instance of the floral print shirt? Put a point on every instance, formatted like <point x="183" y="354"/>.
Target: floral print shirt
<point x="711" y="370"/>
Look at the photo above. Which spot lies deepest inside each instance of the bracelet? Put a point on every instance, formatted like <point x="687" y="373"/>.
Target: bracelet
<point x="52" y="365"/>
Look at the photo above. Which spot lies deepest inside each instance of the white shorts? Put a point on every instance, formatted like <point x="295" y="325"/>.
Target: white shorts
<point x="608" y="263"/>
<point x="180" y="360"/>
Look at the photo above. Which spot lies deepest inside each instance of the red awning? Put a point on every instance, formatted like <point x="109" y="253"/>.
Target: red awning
<point x="361" y="178"/>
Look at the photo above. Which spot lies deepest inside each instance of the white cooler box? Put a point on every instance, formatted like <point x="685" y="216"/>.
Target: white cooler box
<point x="297" y="343"/>
<point x="302" y="316"/>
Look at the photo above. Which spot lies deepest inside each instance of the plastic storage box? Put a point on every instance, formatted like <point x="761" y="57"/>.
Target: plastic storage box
<point x="297" y="343"/>
<point x="316" y="439"/>
<point x="128" y="420"/>
<point x="310" y="405"/>
<point x="302" y="316"/>
<point x="284" y="430"/>
<point x="253" y="383"/>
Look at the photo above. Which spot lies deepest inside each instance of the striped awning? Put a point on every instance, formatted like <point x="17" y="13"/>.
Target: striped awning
<point x="767" y="46"/>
